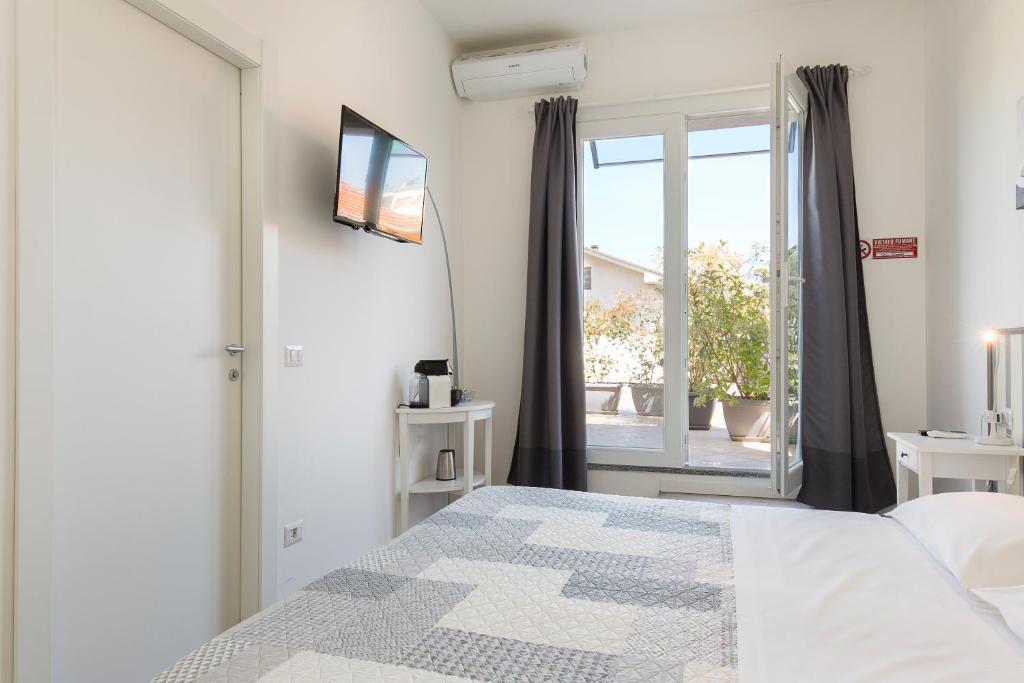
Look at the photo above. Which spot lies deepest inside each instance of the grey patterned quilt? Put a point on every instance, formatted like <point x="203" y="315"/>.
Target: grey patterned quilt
<point x="507" y="584"/>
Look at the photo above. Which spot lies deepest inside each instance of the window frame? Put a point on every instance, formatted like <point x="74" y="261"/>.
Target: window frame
<point x="670" y="128"/>
<point x="669" y="117"/>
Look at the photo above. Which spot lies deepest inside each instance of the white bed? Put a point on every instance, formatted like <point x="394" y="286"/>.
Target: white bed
<point x="515" y="584"/>
<point x="833" y="596"/>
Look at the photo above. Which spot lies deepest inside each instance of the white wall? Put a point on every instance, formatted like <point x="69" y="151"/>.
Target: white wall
<point x="976" y="237"/>
<point x="697" y="56"/>
<point x="364" y="308"/>
<point x="608" y="281"/>
<point x="6" y="335"/>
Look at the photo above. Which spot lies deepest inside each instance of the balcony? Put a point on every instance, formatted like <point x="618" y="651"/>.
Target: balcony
<point x="710" y="448"/>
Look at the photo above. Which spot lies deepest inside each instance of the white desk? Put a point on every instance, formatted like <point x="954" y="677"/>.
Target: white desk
<point x="467" y="414"/>
<point x="953" y="459"/>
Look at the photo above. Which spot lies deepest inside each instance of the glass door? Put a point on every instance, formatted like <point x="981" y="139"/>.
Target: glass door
<point x="629" y="189"/>
<point x="691" y="273"/>
<point x="728" y="229"/>
<point x="789" y="120"/>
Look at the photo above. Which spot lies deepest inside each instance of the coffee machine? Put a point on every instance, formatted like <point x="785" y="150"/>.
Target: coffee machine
<point x="431" y="385"/>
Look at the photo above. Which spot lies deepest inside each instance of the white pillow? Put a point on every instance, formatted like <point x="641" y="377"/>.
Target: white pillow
<point x="978" y="537"/>
<point x="1009" y="602"/>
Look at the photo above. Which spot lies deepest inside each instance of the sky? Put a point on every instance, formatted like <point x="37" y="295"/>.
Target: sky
<point x="355" y="161"/>
<point x="729" y="198"/>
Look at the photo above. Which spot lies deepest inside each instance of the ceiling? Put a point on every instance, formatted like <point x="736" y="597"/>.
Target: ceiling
<point x="488" y="24"/>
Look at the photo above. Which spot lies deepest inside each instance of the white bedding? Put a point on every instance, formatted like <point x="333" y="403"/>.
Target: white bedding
<point x="813" y="605"/>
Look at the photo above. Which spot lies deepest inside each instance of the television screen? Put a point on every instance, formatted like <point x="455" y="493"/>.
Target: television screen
<point x="381" y="181"/>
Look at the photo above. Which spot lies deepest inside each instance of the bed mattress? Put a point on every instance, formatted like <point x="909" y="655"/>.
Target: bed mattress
<point x="507" y="584"/>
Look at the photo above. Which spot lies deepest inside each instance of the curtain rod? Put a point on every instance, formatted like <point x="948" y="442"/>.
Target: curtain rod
<point x="854" y="71"/>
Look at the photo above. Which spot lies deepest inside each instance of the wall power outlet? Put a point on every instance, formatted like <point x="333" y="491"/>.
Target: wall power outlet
<point x="292" y="533"/>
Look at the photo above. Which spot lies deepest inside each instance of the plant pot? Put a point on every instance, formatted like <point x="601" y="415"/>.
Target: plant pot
<point x="648" y="399"/>
<point x="748" y="420"/>
<point x="603" y="399"/>
<point x="700" y="416"/>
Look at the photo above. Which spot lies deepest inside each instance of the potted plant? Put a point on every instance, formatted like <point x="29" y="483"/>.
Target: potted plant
<point x="599" y="358"/>
<point x="645" y="341"/>
<point x="748" y="413"/>
<point x="742" y="369"/>
<point x="706" y="305"/>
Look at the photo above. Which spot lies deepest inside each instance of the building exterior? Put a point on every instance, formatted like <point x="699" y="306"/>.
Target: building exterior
<point x="606" y="278"/>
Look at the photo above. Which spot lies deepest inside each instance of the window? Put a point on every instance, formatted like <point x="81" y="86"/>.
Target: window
<point x="624" y="328"/>
<point x="689" y="208"/>
<point x="729" y="330"/>
<point x="663" y="387"/>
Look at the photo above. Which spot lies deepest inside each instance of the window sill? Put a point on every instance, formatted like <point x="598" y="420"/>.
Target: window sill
<point x="707" y="471"/>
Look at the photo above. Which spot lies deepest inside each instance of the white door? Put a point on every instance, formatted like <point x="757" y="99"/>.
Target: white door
<point x="789" y="119"/>
<point x="635" y="181"/>
<point x="630" y="184"/>
<point x="147" y="295"/>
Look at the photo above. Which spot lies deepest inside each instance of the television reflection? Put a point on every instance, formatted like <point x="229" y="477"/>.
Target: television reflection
<point x="381" y="181"/>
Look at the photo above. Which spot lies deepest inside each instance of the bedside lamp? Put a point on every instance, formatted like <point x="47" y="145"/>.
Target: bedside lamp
<point x="989" y="336"/>
<point x="993" y="422"/>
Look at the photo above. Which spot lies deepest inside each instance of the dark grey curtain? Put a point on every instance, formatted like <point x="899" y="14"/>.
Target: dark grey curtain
<point x="551" y="441"/>
<point x="846" y="466"/>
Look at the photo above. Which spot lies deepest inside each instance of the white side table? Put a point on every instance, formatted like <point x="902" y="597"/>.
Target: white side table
<point x="467" y="414"/>
<point x="953" y="459"/>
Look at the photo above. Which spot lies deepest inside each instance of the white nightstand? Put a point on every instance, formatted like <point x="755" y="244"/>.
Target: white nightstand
<point x="466" y="414"/>
<point x="953" y="459"/>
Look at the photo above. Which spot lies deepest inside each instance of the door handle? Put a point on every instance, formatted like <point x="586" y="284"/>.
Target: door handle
<point x="233" y="349"/>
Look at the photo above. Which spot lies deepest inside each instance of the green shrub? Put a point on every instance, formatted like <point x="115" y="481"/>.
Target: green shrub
<point x="728" y="328"/>
<point x="598" y="326"/>
<point x="729" y="324"/>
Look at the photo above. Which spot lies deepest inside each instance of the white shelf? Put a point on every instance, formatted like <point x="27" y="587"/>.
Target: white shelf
<point x="469" y="407"/>
<point x="431" y="485"/>
<point x="468" y="415"/>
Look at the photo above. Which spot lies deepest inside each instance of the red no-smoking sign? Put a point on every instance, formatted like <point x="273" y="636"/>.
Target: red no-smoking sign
<point x="893" y="247"/>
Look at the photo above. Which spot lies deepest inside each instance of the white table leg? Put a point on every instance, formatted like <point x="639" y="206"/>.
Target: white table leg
<point x="924" y="476"/>
<point x="467" y="453"/>
<point x="1011" y="481"/>
<point x="902" y="485"/>
<point x="488" y="445"/>
<point x="403" y="472"/>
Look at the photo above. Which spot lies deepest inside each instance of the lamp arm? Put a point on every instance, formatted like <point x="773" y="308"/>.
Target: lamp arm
<point x="451" y="289"/>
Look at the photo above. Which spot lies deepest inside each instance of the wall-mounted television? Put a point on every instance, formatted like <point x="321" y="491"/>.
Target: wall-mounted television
<point x="381" y="181"/>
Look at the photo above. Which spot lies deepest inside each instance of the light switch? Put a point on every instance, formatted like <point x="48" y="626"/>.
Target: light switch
<point x="292" y="356"/>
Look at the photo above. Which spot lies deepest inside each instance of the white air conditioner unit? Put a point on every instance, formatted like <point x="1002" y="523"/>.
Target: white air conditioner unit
<point x="534" y="70"/>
